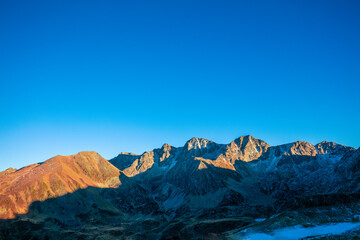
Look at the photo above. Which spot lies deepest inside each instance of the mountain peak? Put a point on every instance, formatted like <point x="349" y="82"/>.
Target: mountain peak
<point x="166" y="147"/>
<point x="246" y="148"/>
<point x="326" y="147"/>
<point x="127" y="154"/>
<point x="247" y="137"/>
<point x="327" y="143"/>
<point x="53" y="178"/>
<point x="302" y="148"/>
<point x="197" y="143"/>
<point x="83" y="153"/>
<point x="246" y="176"/>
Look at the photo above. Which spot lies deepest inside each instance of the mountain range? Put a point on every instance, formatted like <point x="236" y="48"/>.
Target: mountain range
<point x="202" y="190"/>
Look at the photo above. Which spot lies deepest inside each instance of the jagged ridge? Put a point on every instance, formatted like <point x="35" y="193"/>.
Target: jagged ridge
<point x="201" y="180"/>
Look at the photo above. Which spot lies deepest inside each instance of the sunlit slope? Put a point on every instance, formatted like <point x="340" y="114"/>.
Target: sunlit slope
<point x="53" y="178"/>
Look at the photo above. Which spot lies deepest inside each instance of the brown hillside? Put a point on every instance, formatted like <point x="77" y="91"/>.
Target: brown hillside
<point x="55" y="177"/>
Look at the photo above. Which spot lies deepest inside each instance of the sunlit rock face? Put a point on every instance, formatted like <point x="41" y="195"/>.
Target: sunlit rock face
<point x="249" y="166"/>
<point x="189" y="190"/>
<point x="245" y="148"/>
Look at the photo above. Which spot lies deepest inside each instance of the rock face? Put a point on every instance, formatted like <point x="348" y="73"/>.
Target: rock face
<point x="124" y="160"/>
<point x="182" y="189"/>
<point x="245" y="148"/>
<point x="202" y="175"/>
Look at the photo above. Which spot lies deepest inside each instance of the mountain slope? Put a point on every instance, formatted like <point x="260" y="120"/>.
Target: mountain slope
<point x="196" y="190"/>
<point x="248" y="168"/>
<point x="53" y="178"/>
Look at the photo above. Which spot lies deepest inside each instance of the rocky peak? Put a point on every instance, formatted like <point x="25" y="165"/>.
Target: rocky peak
<point x="302" y="148"/>
<point x="294" y="153"/>
<point x="246" y="148"/>
<point x="249" y="140"/>
<point x="331" y="148"/>
<point x="166" y="147"/>
<point x="165" y="152"/>
<point x="90" y="155"/>
<point x="124" y="160"/>
<point x="198" y="143"/>
<point x="127" y="154"/>
<point x="140" y="164"/>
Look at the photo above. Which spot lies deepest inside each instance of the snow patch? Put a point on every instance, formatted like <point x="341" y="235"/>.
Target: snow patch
<point x="300" y="232"/>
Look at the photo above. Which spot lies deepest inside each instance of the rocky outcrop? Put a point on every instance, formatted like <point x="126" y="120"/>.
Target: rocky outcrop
<point x="124" y="160"/>
<point x="332" y="149"/>
<point x="245" y="148"/>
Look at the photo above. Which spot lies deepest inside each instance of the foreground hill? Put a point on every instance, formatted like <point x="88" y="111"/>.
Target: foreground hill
<point x="55" y="177"/>
<point x="200" y="190"/>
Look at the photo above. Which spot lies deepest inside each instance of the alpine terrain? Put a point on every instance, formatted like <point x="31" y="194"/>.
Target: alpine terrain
<point x="202" y="190"/>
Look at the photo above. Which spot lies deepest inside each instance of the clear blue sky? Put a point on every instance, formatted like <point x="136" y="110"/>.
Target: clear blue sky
<point x="113" y="76"/>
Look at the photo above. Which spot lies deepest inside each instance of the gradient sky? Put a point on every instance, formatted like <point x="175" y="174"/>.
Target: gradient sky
<point x="113" y="76"/>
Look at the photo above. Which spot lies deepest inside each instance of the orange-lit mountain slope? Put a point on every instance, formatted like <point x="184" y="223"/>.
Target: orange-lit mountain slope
<point x="55" y="177"/>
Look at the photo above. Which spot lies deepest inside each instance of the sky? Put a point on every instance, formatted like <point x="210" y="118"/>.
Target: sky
<point x="129" y="76"/>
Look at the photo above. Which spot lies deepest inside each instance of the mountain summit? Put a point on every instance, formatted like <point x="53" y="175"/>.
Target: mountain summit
<point x="196" y="190"/>
<point x="53" y="178"/>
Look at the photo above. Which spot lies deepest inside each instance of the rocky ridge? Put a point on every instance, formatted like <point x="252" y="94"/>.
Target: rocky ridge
<point x="185" y="189"/>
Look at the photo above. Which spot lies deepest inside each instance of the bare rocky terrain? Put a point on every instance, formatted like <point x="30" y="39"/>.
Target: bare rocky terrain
<point x="202" y="190"/>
